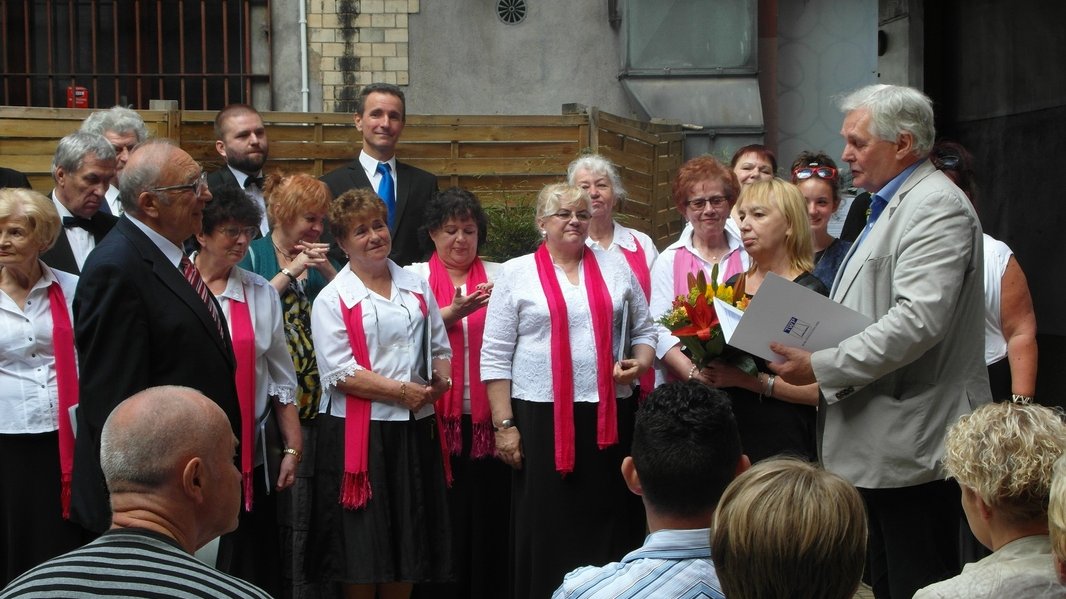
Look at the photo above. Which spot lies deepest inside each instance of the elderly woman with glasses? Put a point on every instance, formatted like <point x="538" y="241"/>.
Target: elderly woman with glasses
<point x="816" y="175"/>
<point x="562" y="401"/>
<point x="704" y="192"/>
<point x="38" y="385"/>
<point x="266" y="382"/>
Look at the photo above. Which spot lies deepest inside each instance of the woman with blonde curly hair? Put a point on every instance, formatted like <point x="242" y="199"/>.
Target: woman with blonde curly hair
<point x="1003" y="457"/>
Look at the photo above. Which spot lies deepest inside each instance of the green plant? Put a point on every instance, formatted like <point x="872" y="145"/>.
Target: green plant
<point x="512" y="232"/>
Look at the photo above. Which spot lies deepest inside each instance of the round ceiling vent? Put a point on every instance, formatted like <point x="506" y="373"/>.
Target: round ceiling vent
<point x="511" y="12"/>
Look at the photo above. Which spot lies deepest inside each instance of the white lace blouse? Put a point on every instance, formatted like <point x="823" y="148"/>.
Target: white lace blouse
<point x="395" y="332"/>
<point x="517" y="342"/>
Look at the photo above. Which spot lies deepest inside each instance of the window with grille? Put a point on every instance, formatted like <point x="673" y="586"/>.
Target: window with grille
<point x="127" y="52"/>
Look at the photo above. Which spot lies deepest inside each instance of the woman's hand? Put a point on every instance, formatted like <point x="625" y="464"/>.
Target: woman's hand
<point x="509" y="447"/>
<point x="721" y="375"/>
<point x="626" y="371"/>
<point x="287" y="473"/>
<point x="465" y="305"/>
<point x="311" y="255"/>
<point x="414" y="396"/>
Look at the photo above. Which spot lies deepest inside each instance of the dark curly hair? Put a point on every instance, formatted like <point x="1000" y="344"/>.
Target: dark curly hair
<point x="454" y="202"/>
<point x="231" y="204"/>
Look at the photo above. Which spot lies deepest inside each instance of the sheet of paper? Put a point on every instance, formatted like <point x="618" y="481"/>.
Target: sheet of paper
<point x="793" y="315"/>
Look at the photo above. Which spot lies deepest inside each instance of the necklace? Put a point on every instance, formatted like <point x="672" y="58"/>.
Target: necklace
<point x="287" y="255"/>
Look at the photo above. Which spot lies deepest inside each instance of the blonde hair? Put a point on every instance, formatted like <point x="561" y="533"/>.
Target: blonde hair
<point x="40" y="214"/>
<point x="1056" y="513"/>
<point x="789" y="529"/>
<point x="787" y="199"/>
<point x="1004" y="452"/>
<point x="557" y="195"/>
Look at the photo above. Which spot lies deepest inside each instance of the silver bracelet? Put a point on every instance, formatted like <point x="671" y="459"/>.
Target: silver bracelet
<point x="770" y="380"/>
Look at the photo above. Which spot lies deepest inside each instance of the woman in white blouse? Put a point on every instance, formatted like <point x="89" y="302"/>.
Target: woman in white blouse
<point x="266" y="380"/>
<point x="38" y="386"/>
<point x="380" y="511"/>
<point x="562" y="400"/>
<point x="454" y="227"/>
<point x="704" y="192"/>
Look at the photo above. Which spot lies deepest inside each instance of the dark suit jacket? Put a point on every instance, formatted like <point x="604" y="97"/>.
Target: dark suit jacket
<point x="138" y="324"/>
<point x="222" y="177"/>
<point x="9" y="177"/>
<point x="414" y="189"/>
<point x="61" y="257"/>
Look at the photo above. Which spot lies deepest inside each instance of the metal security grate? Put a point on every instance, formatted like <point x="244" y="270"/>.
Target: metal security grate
<point x="511" y="11"/>
<point x="126" y="52"/>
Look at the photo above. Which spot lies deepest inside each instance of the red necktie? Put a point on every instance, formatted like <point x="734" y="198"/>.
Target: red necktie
<point x="193" y="277"/>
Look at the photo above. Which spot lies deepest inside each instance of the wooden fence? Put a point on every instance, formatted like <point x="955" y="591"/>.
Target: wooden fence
<point x="500" y="158"/>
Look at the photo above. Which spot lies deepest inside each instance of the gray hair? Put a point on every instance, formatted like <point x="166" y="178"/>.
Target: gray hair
<point x="141" y="175"/>
<point x="598" y="165"/>
<point x="72" y="149"/>
<point x="117" y="119"/>
<point x="140" y="452"/>
<point x="895" y="109"/>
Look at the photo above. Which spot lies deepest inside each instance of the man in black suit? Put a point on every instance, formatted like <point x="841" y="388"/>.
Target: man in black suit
<point x="381" y="111"/>
<point x="241" y="140"/>
<point x="9" y="177"/>
<point x="140" y="321"/>
<point x="82" y="167"/>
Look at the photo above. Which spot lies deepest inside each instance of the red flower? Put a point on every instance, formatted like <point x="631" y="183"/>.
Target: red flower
<point x="703" y="318"/>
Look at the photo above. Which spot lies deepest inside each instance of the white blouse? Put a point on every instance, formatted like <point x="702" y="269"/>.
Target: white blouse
<point x="517" y="343"/>
<point x="275" y="375"/>
<point x="29" y="398"/>
<point x="627" y="239"/>
<point x="395" y="333"/>
<point x="662" y="279"/>
<point x="422" y="269"/>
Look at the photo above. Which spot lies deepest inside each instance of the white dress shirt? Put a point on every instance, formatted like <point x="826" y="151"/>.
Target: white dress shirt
<point x="81" y="241"/>
<point x="422" y="269"/>
<point x="370" y="166"/>
<point x="29" y="397"/>
<point x="395" y="336"/>
<point x="517" y="343"/>
<point x="627" y="239"/>
<point x="275" y="375"/>
<point x="113" y="202"/>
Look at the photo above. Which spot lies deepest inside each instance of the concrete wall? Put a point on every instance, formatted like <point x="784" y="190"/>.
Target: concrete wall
<point x="464" y="60"/>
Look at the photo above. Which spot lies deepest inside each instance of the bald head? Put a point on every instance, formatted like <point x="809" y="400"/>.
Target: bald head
<point x="148" y="439"/>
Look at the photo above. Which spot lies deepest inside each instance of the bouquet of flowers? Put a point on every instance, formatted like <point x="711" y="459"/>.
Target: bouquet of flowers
<point x="693" y="320"/>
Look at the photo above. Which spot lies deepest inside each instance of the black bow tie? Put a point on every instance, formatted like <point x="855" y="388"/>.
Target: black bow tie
<point x="258" y="181"/>
<point x="77" y="221"/>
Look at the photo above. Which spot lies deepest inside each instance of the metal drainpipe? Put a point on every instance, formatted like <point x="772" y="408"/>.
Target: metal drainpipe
<point x="305" y="92"/>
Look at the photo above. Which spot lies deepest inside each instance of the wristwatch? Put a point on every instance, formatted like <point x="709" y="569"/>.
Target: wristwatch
<point x="505" y="424"/>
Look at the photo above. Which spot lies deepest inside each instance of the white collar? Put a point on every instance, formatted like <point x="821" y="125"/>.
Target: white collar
<point x="171" y="251"/>
<point x="351" y="289"/>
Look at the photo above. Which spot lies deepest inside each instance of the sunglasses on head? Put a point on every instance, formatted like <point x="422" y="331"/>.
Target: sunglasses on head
<point x="946" y="161"/>
<point x="814" y="170"/>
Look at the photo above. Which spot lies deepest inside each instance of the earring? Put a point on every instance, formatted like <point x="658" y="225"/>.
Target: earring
<point x="543" y="233"/>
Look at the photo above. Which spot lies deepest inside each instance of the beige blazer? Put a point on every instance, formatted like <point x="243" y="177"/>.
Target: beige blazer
<point x="891" y="391"/>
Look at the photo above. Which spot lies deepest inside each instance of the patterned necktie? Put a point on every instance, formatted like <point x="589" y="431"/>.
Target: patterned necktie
<point x="386" y="191"/>
<point x="193" y="277"/>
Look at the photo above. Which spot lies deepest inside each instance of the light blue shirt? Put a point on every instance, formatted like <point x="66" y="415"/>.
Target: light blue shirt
<point x="672" y="563"/>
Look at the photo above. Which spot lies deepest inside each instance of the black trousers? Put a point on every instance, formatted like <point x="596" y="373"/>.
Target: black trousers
<point x="914" y="537"/>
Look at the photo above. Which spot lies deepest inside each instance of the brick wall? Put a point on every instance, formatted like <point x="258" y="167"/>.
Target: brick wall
<point x="356" y="42"/>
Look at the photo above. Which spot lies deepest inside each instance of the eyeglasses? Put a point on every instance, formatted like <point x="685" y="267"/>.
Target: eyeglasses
<point x="701" y="203"/>
<point x="198" y="186"/>
<point x="814" y="170"/>
<point x="235" y="232"/>
<point x="567" y="215"/>
<point x="946" y="161"/>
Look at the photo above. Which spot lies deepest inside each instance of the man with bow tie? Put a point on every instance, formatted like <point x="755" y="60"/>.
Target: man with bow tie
<point x="83" y="166"/>
<point x="241" y="140"/>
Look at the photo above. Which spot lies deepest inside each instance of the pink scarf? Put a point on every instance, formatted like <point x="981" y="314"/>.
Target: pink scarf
<point x="355" y="483"/>
<point x="638" y="262"/>
<point x="66" y="387"/>
<point x="243" y="336"/>
<point x="685" y="263"/>
<point x="562" y="361"/>
<point x="450" y="406"/>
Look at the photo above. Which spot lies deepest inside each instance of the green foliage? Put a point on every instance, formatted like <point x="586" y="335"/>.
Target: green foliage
<point x="512" y="232"/>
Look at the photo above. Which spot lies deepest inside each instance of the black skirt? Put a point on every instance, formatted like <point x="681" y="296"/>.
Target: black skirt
<point x="403" y="533"/>
<point x="32" y="528"/>
<point x="588" y="517"/>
